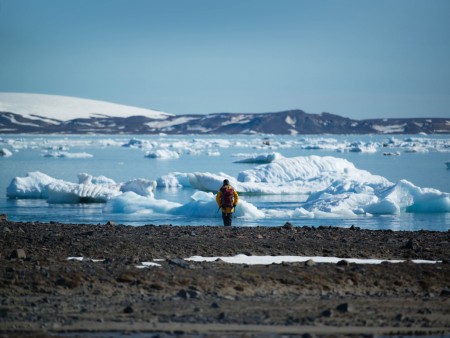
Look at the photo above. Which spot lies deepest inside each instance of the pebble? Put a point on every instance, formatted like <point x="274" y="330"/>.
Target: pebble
<point x="342" y="262"/>
<point x="310" y="262"/>
<point x="179" y="262"/>
<point x="128" y="309"/>
<point x="327" y="313"/>
<point x="344" y="308"/>
<point x="288" y="226"/>
<point x="19" y="254"/>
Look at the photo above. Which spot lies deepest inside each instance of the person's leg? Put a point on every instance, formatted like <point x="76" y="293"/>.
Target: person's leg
<point x="227" y="218"/>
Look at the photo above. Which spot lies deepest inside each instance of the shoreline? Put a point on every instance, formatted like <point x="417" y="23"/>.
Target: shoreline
<point x="45" y="294"/>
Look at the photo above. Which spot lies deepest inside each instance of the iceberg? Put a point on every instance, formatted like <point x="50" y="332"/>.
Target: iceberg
<point x="405" y="196"/>
<point x="66" y="192"/>
<point x="299" y="169"/>
<point x="140" y="186"/>
<point x="32" y="186"/>
<point x="327" y="187"/>
<point x="163" y="154"/>
<point x="262" y="158"/>
<point x="89" y="189"/>
<point x="173" y="180"/>
<point x="361" y="147"/>
<point x="65" y="154"/>
<point x="130" y="202"/>
<point x="201" y="205"/>
<point x="315" y="187"/>
<point x="297" y="176"/>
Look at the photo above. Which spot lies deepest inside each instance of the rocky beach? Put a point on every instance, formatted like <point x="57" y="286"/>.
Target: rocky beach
<point x="110" y="294"/>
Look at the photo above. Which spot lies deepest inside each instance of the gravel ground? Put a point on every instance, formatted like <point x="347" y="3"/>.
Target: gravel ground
<point x="43" y="294"/>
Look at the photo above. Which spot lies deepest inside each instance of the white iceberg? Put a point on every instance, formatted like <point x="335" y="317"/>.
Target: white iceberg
<point x="33" y="186"/>
<point x="130" y="202"/>
<point x="65" y="154"/>
<point x="163" y="154"/>
<point x="361" y="147"/>
<point x="297" y="175"/>
<point x="262" y="158"/>
<point x="405" y="196"/>
<point x="328" y="187"/>
<point x="173" y="180"/>
<point x="140" y="186"/>
<point x="67" y="192"/>
<point x="89" y="189"/>
<point x="202" y="205"/>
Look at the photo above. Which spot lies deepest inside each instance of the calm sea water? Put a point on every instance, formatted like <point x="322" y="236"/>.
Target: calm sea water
<point x="424" y="168"/>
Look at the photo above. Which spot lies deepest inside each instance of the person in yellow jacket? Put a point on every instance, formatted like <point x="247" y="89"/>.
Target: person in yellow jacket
<point x="227" y="198"/>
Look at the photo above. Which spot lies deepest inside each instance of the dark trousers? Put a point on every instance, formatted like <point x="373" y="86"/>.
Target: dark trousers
<point x="227" y="218"/>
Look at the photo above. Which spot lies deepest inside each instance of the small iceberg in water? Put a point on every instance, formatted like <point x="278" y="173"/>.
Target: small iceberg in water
<point x="262" y="158"/>
<point x="89" y="189"/>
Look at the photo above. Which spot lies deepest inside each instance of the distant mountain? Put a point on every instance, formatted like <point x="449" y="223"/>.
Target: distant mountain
<point x="43" y="114"/>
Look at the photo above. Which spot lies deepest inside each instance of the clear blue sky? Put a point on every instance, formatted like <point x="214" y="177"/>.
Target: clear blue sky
<point x="360" y="59"/>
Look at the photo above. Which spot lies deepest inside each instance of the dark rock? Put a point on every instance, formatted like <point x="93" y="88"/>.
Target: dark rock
<point x="342" y="262"/>
<point x="128" y="309"/>
<point x="327" y="313"/>
<point x="412" y="244"/>
<point x="445" y="292"/>
<point x="111" y="223"/>
<point x="70" y="283"/>
<point x="308" y="335"/>
<point x="344" y="307"/>
<point x="288" y="226"/>
<point x="156" y="286"/>
<point x="127" y="277"/>
<point x="179" y="262"/>
<point x="310" y="262"/>
<point x="399" y="317"/>
<point x="3" y="218"/>
<point x="3" y="312"/>
<point x="215" y="305"/>
<point x="183" y="294"/>
<point x="107" y="261"/>
<point x="19" y="254"/>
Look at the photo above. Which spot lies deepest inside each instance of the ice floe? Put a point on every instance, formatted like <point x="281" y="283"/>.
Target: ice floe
<point x="212" y="145"/>
<point x="66" y="154"/>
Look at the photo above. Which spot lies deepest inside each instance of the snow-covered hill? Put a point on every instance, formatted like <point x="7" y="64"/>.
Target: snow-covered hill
<point x="33" y="113"/>
<point x="63" y="108"/>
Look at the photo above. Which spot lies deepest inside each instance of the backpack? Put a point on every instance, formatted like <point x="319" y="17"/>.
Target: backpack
<point x="227" y="197"/>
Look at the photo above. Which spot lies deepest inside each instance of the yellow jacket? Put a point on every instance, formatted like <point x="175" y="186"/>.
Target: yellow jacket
<point x="219" y="201"/>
